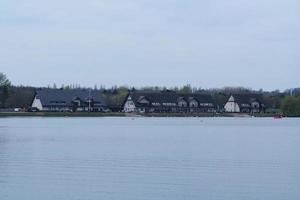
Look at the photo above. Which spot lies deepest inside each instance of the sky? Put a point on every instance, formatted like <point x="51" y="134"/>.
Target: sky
<point x="208" y="44"/>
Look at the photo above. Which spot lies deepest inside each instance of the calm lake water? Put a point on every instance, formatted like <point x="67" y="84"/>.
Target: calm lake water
<point x="149" y="158"/>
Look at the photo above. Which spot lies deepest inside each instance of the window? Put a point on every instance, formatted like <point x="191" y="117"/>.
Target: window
<point x="182" y="103"/>
<point x="193" y="104"/>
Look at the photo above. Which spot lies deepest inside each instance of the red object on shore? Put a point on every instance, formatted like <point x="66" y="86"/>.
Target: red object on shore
<point x="278" y="116"/>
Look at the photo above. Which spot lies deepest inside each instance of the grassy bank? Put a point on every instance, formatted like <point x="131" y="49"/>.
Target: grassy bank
<point x="118" y="114"/>
<point x="60" y="114"/>
<point x="179" y="115"/>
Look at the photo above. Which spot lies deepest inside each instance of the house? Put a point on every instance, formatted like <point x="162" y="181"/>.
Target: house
<point x="77" y="100"/>
<point x="168" y="101"/>
<point x="245" y="103"/>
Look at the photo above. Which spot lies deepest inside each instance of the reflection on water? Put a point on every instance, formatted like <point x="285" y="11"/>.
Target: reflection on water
<point x="149" y="158"/>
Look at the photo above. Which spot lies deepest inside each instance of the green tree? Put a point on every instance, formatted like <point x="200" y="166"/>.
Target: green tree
<point x="186" y="89"/>
<point x="4" y="89"/>
<point x="291" y="106"/>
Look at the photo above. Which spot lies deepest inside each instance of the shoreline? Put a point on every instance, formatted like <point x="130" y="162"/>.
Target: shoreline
<point x="120" y="114"/>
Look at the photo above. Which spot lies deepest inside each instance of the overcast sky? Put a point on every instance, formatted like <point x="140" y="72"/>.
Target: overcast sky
<point x="215" y="43"/>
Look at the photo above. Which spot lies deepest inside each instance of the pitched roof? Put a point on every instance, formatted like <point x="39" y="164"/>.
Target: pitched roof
<point x="114" y="100"/>
<point x="50" y="97"/>
<point x="247" y="98"/>
<point x="170" y="97"/>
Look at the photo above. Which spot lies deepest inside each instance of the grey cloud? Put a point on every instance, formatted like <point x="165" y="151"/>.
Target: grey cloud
<point x="141" y="42"/>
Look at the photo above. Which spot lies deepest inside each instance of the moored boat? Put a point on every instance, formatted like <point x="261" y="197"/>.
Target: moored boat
<point x="278" y="116"/>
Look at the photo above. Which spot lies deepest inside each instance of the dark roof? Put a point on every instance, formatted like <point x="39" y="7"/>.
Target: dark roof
<point x="114" y="100"/>
<point x="247" y="98"/>
<point x="170" y="97"/>
<point x="65" y="97"/>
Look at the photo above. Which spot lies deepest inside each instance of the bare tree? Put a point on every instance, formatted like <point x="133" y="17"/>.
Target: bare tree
<point x="4" y="89"/>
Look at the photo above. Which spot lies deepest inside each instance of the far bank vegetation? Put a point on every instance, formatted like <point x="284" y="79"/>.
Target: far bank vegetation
<point x="12" y="96"/>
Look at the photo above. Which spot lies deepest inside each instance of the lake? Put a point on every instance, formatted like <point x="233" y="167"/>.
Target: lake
<point x="149" y="158"/>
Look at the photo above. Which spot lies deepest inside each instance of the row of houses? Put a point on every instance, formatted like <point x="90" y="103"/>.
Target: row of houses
<point x="143" y="102"/>
<point x="168" y="102"/>
<point x="56" y="100"/>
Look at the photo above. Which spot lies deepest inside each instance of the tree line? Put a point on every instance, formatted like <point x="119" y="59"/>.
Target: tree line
<point x="21" y="96"/>
<point x="291" y="106"/>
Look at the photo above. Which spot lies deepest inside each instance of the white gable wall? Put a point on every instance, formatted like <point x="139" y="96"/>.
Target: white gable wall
<point x="37" y="103"/>
<point x="231" y="105"/>
<point x="193" y="104"/>
<point x="182" y="103"/>
<point x="129" y="105"/>
<point x="231" y="99"/>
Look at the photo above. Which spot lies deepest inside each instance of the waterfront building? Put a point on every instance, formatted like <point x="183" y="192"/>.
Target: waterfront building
<point x="77" y="100"/>
<point x="245" y="103"/>
<point x="168" y="101"/>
